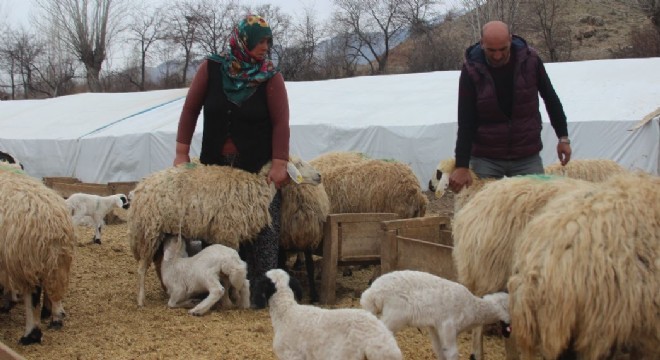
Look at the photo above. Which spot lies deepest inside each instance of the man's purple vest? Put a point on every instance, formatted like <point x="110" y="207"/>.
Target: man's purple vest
<point x="497" y="135"/>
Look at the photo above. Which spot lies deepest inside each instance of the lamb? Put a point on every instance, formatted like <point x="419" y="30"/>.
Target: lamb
<point x="485" y="231"/>
<point x="596" y="170"/>
<point x="585" y="283"/>
<point x="309" y="332"/>
<point x="90" y="210"/>
<point x="219" y="204"/>
<point x="36" y="248"/>
<point x="419" y="299"/>
<point x="305" y="208"/>
<point x="185" y="276"/>
<point x="374" y="186"/>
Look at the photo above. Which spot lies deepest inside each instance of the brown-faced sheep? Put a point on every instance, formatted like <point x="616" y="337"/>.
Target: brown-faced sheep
<point x="586" y="280"/>
<point x="486" y="229"/>
<point x="36" y="247"/>
<point x="220" y="204"/>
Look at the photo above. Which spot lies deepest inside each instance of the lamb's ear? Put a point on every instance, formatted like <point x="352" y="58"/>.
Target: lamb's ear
<point x="262" y="291"/>
<point x="294" y="173"/>
<point x="294" y="284"/>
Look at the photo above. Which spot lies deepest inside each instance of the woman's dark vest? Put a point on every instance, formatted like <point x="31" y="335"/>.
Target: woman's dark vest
<point x="498" y="136"/>
<point x="248" y="125"/>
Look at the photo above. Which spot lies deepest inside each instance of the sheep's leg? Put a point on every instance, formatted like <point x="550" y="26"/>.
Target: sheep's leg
<point x="241" y="286"/>
<point x="477" y="343"/>
<point x="309" y="266"/>
<point x="32" y="309"/>
<point x="97" y="234"/>
<point x="394" y="320"/>
<point x="216" y="291"/>
<point x="57" y="310"/>
<point x="143" y="266"/>
<point x="47" y="307"/>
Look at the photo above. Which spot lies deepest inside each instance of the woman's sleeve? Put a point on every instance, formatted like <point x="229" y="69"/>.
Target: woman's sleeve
<point x="278" y="107"/>
<point x="193" y="105"/>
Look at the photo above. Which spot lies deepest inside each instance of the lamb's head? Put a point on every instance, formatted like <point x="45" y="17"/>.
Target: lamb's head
<point x="300" y="171"/>
<point x="174" y="246"/>
<point x="275" y="280"/>
<point x="500" y="303"/>
<point x="8" y="160"/>
<point x="121" y="201"/>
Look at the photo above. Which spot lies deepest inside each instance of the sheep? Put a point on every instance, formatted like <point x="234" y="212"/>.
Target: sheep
<point x="90" y="210"/>
<point x="10" y="161"/>
<point x="485" y="230"/>
<point x="374" y="186"/>
<point x="596" y="170"/>
<point x="305" y="208"/>
<point x="333" y="159"/>
<point x="36" y="248"/>
<point x="440" y="181"/>
<point x="419" y="299"/>
<point x="219" y="204"/>
<point x="585" y="283"/>
<point x="309" y="332"/>
<point x="185" y="276"/>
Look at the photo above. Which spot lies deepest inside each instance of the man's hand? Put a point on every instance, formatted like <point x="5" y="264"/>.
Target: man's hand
<point x="460" y="178"/>
<point x="278" y="173"/>
<point x="181" y="158"/>
<point x="564" y="153"/>
<point x="181" y="154"/>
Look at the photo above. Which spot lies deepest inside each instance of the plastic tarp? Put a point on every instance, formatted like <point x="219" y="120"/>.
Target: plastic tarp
<point x="410" y="118"/>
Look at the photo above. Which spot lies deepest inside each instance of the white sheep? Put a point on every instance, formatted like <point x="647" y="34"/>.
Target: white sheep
<point x="90" y="210"/>
<point x="36" y="247"/>
<point x="313" y="333"/>
<point x="10" y="161"/>
<point x="585" y="280"/>
<point x="486" y="229"/>
<point x="440" y="181"/>
<point x="595" y="170"/>
<point x="369" y="185"/>
<point x="184" y="277"/>
<point x="419" y="299"/>
<point x="219" y="204"/>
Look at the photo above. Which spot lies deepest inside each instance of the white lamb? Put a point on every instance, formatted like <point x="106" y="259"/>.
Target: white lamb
<point x="446" y="308"/>
<point x="90" y="210"/>
<point x="184" y="277"/>
<point x="308" y="332"/>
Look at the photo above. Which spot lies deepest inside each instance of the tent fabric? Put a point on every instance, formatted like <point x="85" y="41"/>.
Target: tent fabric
<point x="411" y="118"/>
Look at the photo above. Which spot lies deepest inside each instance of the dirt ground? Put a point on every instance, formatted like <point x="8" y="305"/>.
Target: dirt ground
<point x="104" y="322"/>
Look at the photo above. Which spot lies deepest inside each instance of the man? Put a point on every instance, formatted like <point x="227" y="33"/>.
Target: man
<point x="499" y="123"/>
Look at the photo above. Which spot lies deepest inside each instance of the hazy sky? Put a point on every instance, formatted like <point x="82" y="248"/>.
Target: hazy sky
<point x="17" y="11"/>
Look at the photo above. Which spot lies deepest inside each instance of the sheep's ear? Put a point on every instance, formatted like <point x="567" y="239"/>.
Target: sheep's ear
<point x="294" y="173"/>
<point x="294" y="284"/>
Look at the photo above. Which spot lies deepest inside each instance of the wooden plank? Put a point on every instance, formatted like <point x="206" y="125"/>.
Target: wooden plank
<point x="49" y="180"/>
<point x="7" y="353"/>
<point x="122" y="187"/>
<point x="420" y="255"/>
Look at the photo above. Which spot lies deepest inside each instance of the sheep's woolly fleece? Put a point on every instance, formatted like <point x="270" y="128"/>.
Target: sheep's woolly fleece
<point x="587" y="272"/>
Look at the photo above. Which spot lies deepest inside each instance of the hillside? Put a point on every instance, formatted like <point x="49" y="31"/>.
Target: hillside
<point x="596" y="28"/>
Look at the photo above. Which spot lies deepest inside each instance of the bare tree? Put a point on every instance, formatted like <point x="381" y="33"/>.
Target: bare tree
<point x="56" y="68"/>
<point x="88" y="28"/>
<point x="182" y="30"/>
<point x="216" y="20"/>
<point x="482" y="11"/>
<point x="21" y="50"/>
<point x="145" y="28"/>
<point x="552" y="25"/>
<point x="299" y="60"/>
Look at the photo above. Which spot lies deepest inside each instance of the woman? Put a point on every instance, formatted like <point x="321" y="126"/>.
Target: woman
<point x="246" y="122"/>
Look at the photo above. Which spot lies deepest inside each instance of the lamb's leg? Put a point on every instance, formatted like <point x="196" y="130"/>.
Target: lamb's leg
<point x="216" y="291"/>
<point x="444" y="340"/>
<point x="394" y="319"/>
<point x="97" y="234"/>
<point x="477" y="343"/>
<point x="32" y="314"/>
<point x="241" y="288"/>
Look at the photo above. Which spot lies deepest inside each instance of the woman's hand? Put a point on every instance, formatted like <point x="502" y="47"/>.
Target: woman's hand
<point x="278" y="173"/>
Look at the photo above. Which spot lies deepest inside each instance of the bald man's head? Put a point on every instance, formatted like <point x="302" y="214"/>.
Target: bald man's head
<point x="496" y="42"/>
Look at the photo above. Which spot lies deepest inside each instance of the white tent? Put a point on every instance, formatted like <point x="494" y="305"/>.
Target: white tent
<point x="411" y="118"/>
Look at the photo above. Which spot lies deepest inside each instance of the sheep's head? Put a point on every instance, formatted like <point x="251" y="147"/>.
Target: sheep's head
<point x="274" y="281"/>
<point x="8" y="160"/>
<point x="440" y="181"/>
<point x="300" y="171"/>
